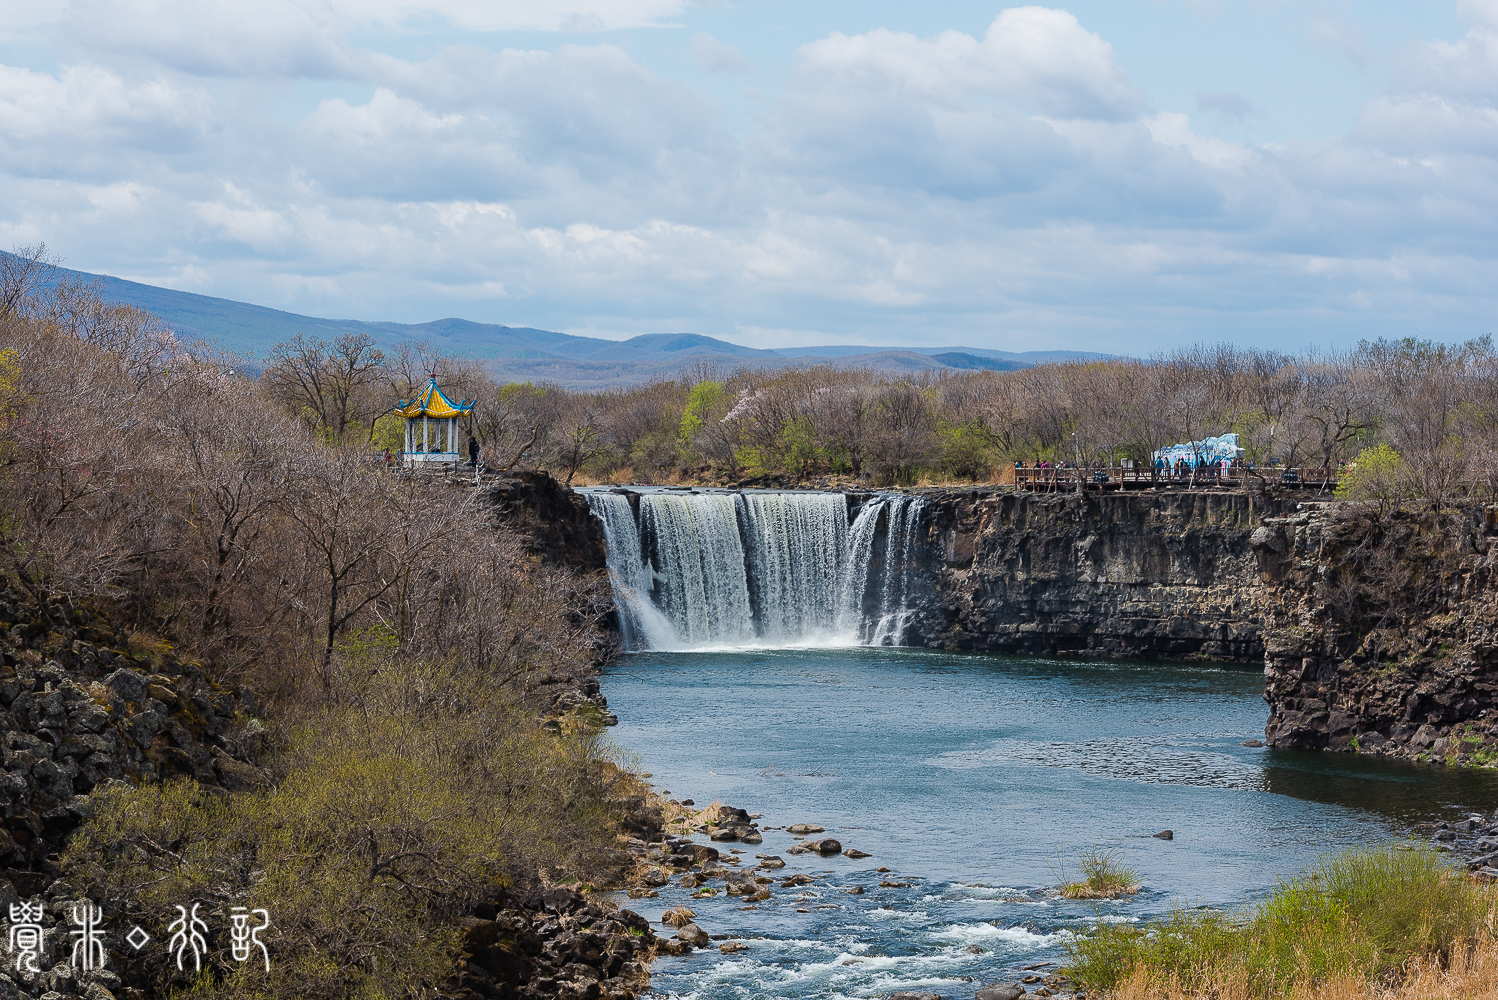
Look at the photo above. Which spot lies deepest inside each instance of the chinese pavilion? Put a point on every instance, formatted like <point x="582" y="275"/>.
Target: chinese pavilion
<point x="432" y="424"/>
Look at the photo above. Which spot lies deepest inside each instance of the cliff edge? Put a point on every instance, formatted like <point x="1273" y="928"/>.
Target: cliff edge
<point x="1381" y="630"/>
<point x="1149" y="574"/>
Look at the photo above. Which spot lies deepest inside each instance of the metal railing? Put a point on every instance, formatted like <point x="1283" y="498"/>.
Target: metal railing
<point x="1206" y="477"/>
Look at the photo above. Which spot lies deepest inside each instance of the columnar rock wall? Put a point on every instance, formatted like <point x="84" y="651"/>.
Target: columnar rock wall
<point x="1147" y="574"/>
<point x="1381" y="631"/>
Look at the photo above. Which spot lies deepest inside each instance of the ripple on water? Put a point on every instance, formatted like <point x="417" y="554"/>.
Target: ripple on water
<point x="1179" y="759"/>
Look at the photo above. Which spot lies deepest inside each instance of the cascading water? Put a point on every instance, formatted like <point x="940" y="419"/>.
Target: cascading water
<point x="695" y="570"/>
<point x="883" y="541"/>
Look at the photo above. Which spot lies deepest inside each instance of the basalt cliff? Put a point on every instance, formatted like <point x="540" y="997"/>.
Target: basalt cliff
<point x="1149" y="574"/>
<point x="1378" y="629"/>
<point x="1381" y="630"/>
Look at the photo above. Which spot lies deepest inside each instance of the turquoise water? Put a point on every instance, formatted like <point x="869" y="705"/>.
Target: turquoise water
<point x="976" y="780"/>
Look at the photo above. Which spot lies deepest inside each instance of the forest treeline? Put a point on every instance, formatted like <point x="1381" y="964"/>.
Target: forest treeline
<point x="1424" y="414"/>
<point x="391" y="631"/>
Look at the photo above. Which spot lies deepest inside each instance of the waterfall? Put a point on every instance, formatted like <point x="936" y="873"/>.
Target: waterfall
<point x="703" y="569"/>
<point x="875" y="592"/>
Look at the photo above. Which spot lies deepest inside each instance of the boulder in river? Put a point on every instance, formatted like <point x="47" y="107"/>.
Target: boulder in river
<point x="855" y="853"/>
<point x="655" y="878"/>
<point x="1000" y="991"/>
<point x="1165" y="835"/>
<point x="829" y="846"/>
<point x="1251" y="743"/>
<point x="804" y="828"/>
<point x="693" y="935"/>
<point x="772" y="862"/>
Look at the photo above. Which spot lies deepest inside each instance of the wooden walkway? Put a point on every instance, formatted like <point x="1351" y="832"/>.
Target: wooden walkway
<point x="1116" y="478"/>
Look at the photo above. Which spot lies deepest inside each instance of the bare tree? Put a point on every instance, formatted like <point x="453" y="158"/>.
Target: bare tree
<point x="327" y="382"/>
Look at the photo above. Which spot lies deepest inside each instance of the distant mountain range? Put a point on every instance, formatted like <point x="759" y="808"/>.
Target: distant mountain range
<point x="526" y="354"/>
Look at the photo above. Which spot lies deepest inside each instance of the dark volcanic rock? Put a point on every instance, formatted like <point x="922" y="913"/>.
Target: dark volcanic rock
<point x="553" y="945"/>
<point x="554" y="519"/>
<point x="81" y="708"/>
<point x="1381" y="631"/>
<point x="559" y="529"/>
<point x="1114" y="574"/>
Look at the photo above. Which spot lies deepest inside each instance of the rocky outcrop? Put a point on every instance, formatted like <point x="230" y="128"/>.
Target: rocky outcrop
<point x="560" y="531"/>
<point x="553" y="519"/>
<point x="1146" y="574"/>
<point x="556" y="943"/>
<point x="1381" y="630"/>
<point x="83" y="705"/>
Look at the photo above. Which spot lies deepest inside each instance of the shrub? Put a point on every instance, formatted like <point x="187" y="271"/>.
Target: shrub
<point x="1104" y="876"/>
<point x="1378" y="474"/>
<point x="391" y="818"/>
<point x="1367" y="914"/>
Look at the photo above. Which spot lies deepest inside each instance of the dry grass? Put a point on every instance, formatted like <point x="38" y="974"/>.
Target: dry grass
<point x="1370" y="921"/>
<point x="679" y="917"/>
<point x="1471" y="975"/>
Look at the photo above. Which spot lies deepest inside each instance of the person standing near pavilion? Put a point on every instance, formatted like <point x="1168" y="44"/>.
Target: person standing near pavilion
<point x="473" y="451"/>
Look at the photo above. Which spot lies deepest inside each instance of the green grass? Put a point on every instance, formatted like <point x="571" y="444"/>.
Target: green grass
<point x="1365" y="913"/>
<point x="1104" y="876"/>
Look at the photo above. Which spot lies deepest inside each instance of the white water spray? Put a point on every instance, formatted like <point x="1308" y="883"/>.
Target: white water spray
<point x="703" y="570"/>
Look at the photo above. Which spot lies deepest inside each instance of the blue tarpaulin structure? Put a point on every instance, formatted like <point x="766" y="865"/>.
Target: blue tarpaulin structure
<point x="1207" y="451"/>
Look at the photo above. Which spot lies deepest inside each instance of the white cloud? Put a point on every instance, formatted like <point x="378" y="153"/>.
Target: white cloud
<point x="517" y="15"/>
<point x="268" y="38"/>
<point x="1463" y="70"/>
<point x="82" y="121"/>
<point x="1015" y="189"/>
<point x="713" y="56"/>
<point x="1037" y="59"/>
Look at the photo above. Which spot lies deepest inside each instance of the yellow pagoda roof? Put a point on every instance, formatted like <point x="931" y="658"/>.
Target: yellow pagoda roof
<point x="432" y="403"/>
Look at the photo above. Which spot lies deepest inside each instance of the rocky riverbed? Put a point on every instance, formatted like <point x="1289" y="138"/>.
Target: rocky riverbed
<point x="699" y="851"/>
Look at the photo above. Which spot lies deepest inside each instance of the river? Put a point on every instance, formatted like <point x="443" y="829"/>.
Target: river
<point x="978" y="781"/>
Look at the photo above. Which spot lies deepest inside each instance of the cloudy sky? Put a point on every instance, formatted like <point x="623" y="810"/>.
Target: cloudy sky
<point x="1115" y="175"/>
